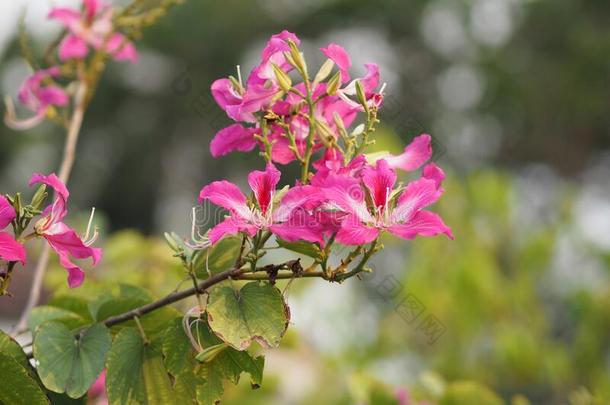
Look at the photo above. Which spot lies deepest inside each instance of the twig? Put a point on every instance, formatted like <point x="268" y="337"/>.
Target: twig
<point x="64" y="174"/>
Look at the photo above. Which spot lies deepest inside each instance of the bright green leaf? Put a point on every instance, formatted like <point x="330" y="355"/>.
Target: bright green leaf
<point x="255" y="312"/>
<point x="67" y="363"/>
<point x="17" y="386"/>
<point x="9" y="347"/>
<point x="177" y="349"/>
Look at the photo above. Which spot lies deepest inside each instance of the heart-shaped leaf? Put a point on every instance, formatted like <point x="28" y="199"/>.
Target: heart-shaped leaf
<point x="257" y="312"/>
<point x="135" y="373"/>
<point x="67" y="363"/>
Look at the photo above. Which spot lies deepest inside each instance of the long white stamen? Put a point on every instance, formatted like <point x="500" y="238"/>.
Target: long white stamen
<point x="239" y="75"/>
<point x="382" y="89"/>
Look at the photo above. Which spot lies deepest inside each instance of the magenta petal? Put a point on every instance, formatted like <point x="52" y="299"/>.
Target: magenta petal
<point x="64" y="239"/>
<point x="7" y="212"/>
<point x="370" y="81"/>
<point x="417" y="195"/>
<point x="338" y="55"/>
<point x="354" y="232"/>
<point x="414" y="155"/>
<point x="263" y="184"/>
<point x="232" y="138"/>
<point x="433" y="172"/>
<point x="300" y="226"/>
<point x="67" y="16"/>
<point x="346" y="194"/>
<point x="121" y="49"/>
<point x="224" y="93"/>
<point x="53" y="95"/>
<point x="301" y="197"/>
<point x="380" y="182"/>
<point x="424" y="223"/>
<point x="10" y="249"/>
<point x="227" y="227"/>
<point x="72" y="47"/>
<point x="52" y="181"/>
<point x="227" y="195"/>
<point x="76" y="275"/>
<point x="91" y="8"/>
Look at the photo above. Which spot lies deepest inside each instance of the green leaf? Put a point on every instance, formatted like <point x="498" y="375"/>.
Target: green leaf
<point x="177" y="349"/>
<point x="17" y="386"/>
<point x="255" y="312"/>
<point x="9" y="347"/>
<point x="305" y="248"/>
<point x="210" y="392"/>
<point x="220" y="257"/>
<point x="45" y="313"/>
<point x="135" y="373"/>
<point x="67" y="363"/>
<point x="120" y="298"/>
<point x="73" y="303"/>
<point x="232" y="362"/>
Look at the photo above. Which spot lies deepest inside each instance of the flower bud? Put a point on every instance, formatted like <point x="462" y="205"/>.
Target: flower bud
<point x="282" y="78"/>
<point x="209" y="353"/>
<point x="333" y="84"/>
<point x="324" y="71"/>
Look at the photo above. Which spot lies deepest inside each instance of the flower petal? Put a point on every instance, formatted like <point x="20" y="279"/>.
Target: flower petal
<point x="417" y="195"/>
<point x="414" y="155"/>
<point x="433" y="172"/>
<point x="354" y="232"/>
<point x="52" y="181"/>
<point x="424" y="223"/>
<point x="72" y="47"/>
<point x="53" y="95"/>
<point x="346" y="194"/>
<point x="380" y="181"/>
<point x="230" y="226"/>
<point x="301" y="197"/>
<point x="300" y="226"/>
<point x="67" y="16"/>
<point x="10" y="249"/>
<point x="224" y="93"/>
<point x="121" y="49"/>
<point x="263" y="183"/>
<point x="338" y="55"/>
<point x="232" y="138"/>
<point x="62" y="238"/>
<point x="7" y="212"/>
<point x="227" y="195"/>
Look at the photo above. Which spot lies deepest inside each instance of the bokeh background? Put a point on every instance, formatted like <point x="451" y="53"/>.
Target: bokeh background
<point x="516" y="94"/>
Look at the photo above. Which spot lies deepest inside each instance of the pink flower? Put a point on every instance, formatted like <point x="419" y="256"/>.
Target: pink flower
<point x="97" y="392"/>
<point x="405" y="218"/>
<point x="10" y="249"/>
<point x="63" y="239"/>
<point x="338" y="55"/>
<point x="291" y="220"/>
<point x="91" y="27"/>
<point x="37" y="97"/>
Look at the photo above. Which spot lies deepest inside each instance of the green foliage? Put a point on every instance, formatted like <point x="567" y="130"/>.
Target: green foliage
<point x="255" y="312"/>
<point x="47" y="313"/>
<point x="69" y="363"/>
<point x="135" y="372"/>
<point x="467" y="393"/>
<point x="218" y="258"/>
<point x="18" y="386"/>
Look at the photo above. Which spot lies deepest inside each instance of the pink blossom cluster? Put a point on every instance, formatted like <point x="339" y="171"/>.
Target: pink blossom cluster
<point x="90" y="27"/>
<point x="51" y="227"/>
<point x="352" y="199"/>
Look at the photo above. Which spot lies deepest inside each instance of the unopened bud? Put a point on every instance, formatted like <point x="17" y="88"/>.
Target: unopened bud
<point x="361" y="95"/>
<point x="39" y="196"/>
<point x="282" y="78"/>
<point x="333" y="84"/>
<point x="324" y="71"/>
